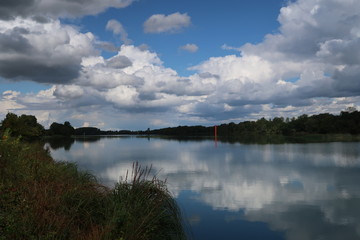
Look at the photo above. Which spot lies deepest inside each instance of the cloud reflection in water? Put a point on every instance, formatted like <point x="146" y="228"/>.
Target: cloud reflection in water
<point x="309" y="191"/>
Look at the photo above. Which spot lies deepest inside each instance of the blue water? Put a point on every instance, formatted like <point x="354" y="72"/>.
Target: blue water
<point x="241" y="191"/>
<point x="205" y="223"/>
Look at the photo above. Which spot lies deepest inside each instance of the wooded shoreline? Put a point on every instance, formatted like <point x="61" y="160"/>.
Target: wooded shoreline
<point x="347" y="122"/>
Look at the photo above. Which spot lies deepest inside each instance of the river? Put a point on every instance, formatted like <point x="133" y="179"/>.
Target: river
<point x="240" y="191"/>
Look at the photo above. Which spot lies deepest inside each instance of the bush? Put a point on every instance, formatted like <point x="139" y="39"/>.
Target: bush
<point x="25" y="126"/>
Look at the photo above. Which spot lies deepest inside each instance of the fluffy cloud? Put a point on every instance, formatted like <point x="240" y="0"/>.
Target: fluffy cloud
<point x="132" y="81"/>
<point x="190" y="47"/>
<point x="40" y="9"/>
<point x="118" y="29"/>
<point x="313" y="56"/>
<point x="42" y="52"/>
<point x="118" y="62"/>
<point x="9" y="101"/>
<point x="107" y="46"/>
<point x="141" y="80"/>
<point x="160" y="23"/>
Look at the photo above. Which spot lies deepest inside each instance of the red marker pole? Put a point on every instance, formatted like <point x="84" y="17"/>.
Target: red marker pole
<point x="215" y="135"/>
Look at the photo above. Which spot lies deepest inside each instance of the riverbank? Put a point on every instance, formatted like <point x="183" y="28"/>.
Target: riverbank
<point x="45" y="199"/>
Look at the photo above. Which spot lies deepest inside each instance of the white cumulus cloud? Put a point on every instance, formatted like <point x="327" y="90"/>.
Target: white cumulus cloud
<point x="117" y="28"/>
<point x="190" y="47"/>
<point x="42" y="52"/>
<point x="160" y="23"/>
<point x="41" y="9"/>
<point x="313" y="56"/>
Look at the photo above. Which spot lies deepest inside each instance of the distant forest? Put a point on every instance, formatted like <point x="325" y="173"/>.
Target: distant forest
<point x="347" y="122"/>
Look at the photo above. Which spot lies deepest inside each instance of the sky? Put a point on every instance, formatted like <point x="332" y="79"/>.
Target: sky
<point x="138" y="64"/>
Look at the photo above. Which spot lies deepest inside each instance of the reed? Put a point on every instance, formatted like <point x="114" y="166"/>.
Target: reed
<point x="144" y="208"/>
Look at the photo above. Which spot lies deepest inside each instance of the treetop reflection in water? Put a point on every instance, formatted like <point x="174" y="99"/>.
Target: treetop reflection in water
<point x="236" y="191"/>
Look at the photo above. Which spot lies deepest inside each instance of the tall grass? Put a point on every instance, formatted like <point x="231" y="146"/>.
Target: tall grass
<point x="140" y="202"/>
<point x="44" y="199"/>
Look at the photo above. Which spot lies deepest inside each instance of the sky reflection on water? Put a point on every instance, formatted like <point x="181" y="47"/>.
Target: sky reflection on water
<point x="283" y="191"/>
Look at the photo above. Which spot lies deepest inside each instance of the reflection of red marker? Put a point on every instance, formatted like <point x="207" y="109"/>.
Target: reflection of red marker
<point x="215" y="135"/>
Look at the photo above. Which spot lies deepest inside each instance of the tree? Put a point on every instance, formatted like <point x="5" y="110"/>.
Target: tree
<point x="25" y="126"/>
<point x="61" y="129"/>
<point x="9" y="121"/>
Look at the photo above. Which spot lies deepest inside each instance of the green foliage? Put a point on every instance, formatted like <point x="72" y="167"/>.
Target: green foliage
<point x="348" y="122"/>
<point x="25" y="126"/>
<point x="87" y="131"/>
<point x="183" y="131"/>
<point x="145" y="209"/>
<point x="61" y="129"/>
<point x="44" y="199"/>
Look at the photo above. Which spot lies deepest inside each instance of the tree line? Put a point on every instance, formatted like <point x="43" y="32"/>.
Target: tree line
<point x="347" y="122"/>
<point x="28" y="128"/>
<point x="24" y="125"/>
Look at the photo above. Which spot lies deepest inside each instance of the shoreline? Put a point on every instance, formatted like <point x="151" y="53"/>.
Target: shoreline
<point x="46" y="199"/>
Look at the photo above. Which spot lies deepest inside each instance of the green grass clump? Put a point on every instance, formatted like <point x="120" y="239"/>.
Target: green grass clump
<point x="141" y="202"/>
<point x="44" y="199"/>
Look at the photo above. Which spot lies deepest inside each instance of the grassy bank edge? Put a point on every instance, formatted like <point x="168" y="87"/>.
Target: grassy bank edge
<point x="45" y="199"/>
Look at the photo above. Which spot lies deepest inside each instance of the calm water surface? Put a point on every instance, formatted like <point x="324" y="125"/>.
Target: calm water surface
<point x="238" y="191"/>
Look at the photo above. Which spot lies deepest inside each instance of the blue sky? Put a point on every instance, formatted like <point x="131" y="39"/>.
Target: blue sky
<point x="124" y="64"/>
<point x="220" y="22"/>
